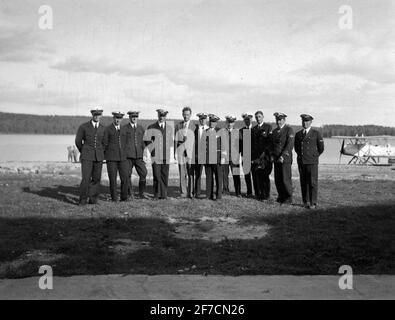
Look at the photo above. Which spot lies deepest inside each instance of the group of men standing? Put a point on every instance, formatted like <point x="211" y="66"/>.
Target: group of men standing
<point x="251" y="151"/>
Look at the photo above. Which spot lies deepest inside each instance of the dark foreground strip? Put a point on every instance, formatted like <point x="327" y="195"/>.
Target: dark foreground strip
<point x="197" y="309"/>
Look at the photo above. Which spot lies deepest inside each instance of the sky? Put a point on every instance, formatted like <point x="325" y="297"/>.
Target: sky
<point x="216" y="56"/>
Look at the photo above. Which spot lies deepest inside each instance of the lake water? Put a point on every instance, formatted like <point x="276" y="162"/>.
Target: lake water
<point x="21" y="147"/>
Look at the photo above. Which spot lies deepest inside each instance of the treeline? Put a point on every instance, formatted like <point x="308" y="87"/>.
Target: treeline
<point x="37" y="124"/>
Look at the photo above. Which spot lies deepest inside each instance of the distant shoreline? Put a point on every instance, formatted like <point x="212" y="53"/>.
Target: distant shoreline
<point x="15" y="123"/>
<point x="332" y="172"/>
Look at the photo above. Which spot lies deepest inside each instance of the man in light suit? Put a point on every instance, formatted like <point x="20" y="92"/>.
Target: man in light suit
<point x="184" y="143"/>
<point x="89" y="142"/>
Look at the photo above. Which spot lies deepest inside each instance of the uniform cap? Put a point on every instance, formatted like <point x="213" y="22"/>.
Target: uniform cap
<point x="162" y="112"/>
<point x="202" y="115"/>
<point x="133" y="113"/>
<point x="306" y="117"/>
<point x="246" y="115"/>
<point x="96" y="111"/>
<point x="213" y="118"/>
<point x="230" y="119"/>
<point x="280" y="115"/>
<point x="118" y="114"/>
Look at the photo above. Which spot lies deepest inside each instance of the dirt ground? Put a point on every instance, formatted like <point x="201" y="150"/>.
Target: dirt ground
<point x="41" y="223"/>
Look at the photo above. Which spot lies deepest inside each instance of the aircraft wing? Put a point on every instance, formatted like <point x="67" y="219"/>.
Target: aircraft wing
<point x="365" y="137"/>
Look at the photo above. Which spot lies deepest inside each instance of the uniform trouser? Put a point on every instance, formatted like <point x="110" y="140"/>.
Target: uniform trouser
<point x="309" y="182"/>
<point x="198" y="168"/>
<point x="91" y="176"/>
<point x="187" y="178"/>
<point x="236" y="178"/>
<point x="225" y="176"/>
<point x="247" y="178"/>
<point x="161" y="178"/>
<point x="141" y="169"/>
<point x="261" y="180"/>
<point x="214" y="172"/>
<point x="113" y="167"/>
<point x="283" y="180"/>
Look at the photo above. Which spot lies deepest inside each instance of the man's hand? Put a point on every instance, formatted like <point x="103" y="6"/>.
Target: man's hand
<point x="281" y="159"/>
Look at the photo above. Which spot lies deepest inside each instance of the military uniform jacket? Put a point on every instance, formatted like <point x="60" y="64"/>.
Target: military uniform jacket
<point x="199" y="145"/>
<point x="310" y="147"/>
<point x="89" y="141"/>
<point x="261" y="142"/>
<point x="149" y="138"/>
<point x="241" y="138"/>
<point x="283" y="143"/>
<point x="218" y="148"/>
<point x="134" y="141"/>
<point x="232" y="145"/>
<point x="114" y="143"/>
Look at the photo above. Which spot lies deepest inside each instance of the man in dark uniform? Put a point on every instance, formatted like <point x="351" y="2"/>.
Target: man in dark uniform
<point x="200" y="152"/>
<point x="135" y="152"/>
<point x="309" y="145"/>
<point x="183" y="149"/>
<point x="214" y="160"/>
<point x="114" y="152"/>
<point x="283" y="142"/>
<point x="231" y="164"/>
<point x="159" y="135"/>
<point x="89" y="141"/>
<point x="247" y="176"/>
<point x="262" y="165"/>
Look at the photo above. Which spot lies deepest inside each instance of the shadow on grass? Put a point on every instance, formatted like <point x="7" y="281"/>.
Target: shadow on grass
<point x="70" y="194"/>
<point x="310" y="242"/>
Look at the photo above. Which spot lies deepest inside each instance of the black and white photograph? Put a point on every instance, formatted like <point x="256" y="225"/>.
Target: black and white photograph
<point x="204" y="151"/>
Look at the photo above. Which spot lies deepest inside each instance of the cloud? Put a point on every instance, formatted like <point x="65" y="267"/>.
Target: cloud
<point x="21" y="45"/>
<point x="103" y="66"/>
<point x="382" y="39"/>
<point x="374" y="66"/>
<point x="191" y="79"/>
<point x="303" y="25"/>
<point x="11" y="94"/>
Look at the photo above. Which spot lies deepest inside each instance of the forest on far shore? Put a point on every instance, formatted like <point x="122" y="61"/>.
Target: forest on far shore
<point x="39" y="124"/>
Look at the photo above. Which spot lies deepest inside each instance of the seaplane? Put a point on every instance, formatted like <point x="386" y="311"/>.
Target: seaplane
<point x="367" y="150"/>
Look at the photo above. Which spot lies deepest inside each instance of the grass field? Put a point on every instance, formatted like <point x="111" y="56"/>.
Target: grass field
<point x="40" y="223"/>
